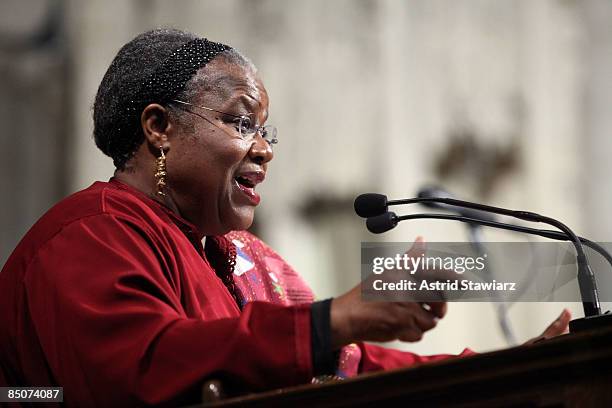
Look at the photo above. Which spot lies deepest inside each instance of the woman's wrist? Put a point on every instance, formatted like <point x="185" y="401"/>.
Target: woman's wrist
<point x="340" y="324"/>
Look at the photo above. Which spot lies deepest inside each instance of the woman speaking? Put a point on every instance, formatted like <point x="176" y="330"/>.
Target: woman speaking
<point x="137" y="290"/>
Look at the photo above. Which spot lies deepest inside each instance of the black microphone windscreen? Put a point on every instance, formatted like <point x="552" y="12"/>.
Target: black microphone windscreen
<point x="381" y="223"/>
<point x="370" y="205"/>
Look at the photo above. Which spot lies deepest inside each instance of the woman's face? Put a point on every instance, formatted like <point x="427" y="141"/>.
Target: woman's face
<point x="212" y="171"/>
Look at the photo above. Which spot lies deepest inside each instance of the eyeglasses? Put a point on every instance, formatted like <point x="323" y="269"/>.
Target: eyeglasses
<point x="244" y="124"/>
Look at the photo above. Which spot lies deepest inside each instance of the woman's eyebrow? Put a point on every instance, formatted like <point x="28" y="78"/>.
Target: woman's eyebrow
<point x="250" y="103"/>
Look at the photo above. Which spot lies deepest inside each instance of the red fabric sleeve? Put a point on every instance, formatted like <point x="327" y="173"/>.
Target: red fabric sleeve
<point x="376" y="358"/>
<point x="114" y="333"/>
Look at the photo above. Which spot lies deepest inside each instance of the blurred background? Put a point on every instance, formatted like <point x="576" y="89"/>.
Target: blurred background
<point x="503" y="102"/>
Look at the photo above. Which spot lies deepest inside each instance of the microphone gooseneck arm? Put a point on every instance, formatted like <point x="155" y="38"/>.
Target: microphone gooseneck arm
<point x="586" y="278"/>
<point x="369" y="205"/>
<point x="559" y="236"/>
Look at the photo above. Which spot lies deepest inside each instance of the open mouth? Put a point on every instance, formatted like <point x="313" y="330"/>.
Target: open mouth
<point x="243" y="181"/>
<point x="246" y="183"/>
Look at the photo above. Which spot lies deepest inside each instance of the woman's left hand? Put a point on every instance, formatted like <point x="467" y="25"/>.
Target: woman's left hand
<point x="556" y="328"/>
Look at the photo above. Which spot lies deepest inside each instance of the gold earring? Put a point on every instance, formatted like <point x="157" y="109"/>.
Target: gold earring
<point x="160" y="174"/>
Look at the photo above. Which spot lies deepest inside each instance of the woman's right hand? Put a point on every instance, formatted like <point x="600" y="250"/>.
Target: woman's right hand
<point x="353" y="319"/>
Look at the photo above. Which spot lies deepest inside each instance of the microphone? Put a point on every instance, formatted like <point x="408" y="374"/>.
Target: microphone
<point x="382" y="223"/>
<point x="370" y="204"/>
<point x="379" y="222"/>
<point x="438" y="192"/>
<point x="387" y="221"/>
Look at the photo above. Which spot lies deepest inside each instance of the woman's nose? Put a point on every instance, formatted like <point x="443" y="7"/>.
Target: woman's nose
<point x="261" y="151"/>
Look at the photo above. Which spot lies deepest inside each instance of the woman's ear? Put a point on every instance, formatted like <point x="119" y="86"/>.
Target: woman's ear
<point x="155" y="125"/>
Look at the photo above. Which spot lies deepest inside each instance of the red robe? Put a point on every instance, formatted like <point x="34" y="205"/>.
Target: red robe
<point x="112" y="296"/>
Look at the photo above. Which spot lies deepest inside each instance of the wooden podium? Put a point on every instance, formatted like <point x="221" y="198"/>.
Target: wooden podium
<point x="573" y="370"/>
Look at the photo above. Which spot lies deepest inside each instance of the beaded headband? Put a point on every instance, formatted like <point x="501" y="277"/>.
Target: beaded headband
<point x="176" y="70"/>
<point x="169" y="78"/>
